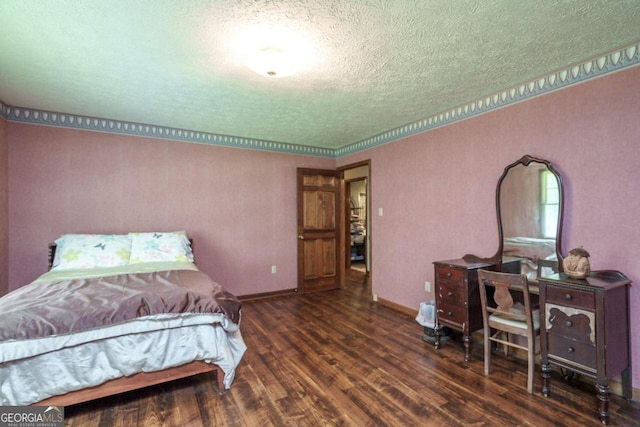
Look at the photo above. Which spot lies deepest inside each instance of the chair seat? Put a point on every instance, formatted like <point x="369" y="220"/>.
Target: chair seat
<point x="517" y="323"/>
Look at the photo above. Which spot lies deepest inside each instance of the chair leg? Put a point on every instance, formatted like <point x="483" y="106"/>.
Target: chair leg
<point x="506" y="337"/>
<point x="531" y="364"/>
<point x="487" y="351"/>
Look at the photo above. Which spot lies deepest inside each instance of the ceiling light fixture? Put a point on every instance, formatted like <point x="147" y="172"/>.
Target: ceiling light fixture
<point x="272" y="62"/>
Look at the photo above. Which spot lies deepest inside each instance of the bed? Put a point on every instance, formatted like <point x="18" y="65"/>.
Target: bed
<point x="536" y="255"/>
<point x="115" y="313"/>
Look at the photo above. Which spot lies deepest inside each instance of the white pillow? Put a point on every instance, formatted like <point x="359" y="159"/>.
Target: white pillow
<point x="75" y="251"/>
<point x="156" y="247"/>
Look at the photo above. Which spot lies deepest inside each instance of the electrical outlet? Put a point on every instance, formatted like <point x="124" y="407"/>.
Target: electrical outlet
<point x="375" y="297"/>
<point x="427" y="286"/>
<point x="274" y="269"/>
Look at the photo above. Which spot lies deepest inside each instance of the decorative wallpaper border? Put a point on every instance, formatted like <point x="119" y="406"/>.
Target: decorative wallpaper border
<point x="4" y="108"/>
<point x="592" y="68"/>
<point x="74" y="121"/>
<point x="613" y="61"/>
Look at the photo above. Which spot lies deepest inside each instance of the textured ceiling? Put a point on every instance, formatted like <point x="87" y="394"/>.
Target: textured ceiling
<point x="371" y="65"/>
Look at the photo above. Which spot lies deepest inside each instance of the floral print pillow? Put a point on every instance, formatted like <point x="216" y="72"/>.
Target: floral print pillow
<point x="155" y="247"/>
<point x="80" y="251"/>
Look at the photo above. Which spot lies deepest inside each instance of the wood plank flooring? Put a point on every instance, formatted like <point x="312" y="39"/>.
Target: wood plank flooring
<point x="336" y="359"/>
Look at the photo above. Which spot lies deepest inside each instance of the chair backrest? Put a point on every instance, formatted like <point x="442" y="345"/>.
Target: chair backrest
<point x="546" y="267"/>
<point x="505" y="295"/>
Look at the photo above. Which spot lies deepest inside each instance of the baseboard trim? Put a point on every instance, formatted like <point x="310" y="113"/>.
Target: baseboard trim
<point x="264" y="295"/>
<point x="397" y="307"/>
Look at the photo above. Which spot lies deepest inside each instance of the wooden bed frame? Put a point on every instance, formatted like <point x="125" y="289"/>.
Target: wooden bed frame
<point x="132" y="382"/>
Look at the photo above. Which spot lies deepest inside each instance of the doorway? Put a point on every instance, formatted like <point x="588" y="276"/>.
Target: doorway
<point x="357" y="218"/>
<point x="356" y="250"/>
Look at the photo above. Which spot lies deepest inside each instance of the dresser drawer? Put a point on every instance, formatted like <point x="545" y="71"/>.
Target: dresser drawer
<point x="575" y="324"/>
<point x="450" y="293"/>
<point x="451" y="313"/>
<point x="447" y="273"/>
<point x="570" y="297"/>
<point x="572" y="351"/>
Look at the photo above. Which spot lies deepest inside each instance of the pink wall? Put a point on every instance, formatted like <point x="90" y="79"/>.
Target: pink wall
<point x="448" y="176"/>
<point x="238" y="205"/>
<point x="4" y="209"/>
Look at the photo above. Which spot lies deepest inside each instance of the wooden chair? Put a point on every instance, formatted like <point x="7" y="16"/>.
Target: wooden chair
<point x="500" y="313"/>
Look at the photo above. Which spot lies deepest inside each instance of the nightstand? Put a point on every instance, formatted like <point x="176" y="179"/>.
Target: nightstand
<point x="585" y="328"/>
<point x="458" y="298"/>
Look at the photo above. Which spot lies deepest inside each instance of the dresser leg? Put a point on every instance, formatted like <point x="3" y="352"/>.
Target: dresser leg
<point x="466" y="339"/>
<point x="626" y="384"/>
<point x="604" y="396"/>
<point x="546" y="376"/>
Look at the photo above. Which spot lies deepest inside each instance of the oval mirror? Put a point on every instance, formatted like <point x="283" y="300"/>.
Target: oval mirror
<point x="529" y="203"/>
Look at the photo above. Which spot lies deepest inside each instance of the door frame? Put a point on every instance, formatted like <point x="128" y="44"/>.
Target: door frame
<point x="346" y="213"/>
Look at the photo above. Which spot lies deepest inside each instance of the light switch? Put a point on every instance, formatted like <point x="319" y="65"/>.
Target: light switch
<point x="379" y="211"/>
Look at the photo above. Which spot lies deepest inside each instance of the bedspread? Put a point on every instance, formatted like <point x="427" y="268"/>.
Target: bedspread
<point x="45" y="308"/>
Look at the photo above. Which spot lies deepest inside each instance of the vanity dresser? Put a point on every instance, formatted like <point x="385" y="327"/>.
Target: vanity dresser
<point x="528" y="237"/>
<point x="584" y="323"/>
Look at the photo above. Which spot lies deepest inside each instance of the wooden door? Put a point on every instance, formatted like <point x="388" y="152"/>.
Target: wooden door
<point x="320" y="248"/>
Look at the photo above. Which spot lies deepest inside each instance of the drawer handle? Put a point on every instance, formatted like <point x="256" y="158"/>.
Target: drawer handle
<point x="571" y="349"/>
<point x="449" y="313"/>
<point x="568" y="323"/>
<point x="449" y="293"/>
<point x="567" y="297"/>
<point x="448" y="274"/>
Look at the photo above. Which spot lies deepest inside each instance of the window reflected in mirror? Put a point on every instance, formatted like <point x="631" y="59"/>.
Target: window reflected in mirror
<point x="549" y="204"/>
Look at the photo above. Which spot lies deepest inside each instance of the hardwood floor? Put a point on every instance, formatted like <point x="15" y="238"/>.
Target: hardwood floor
<point x="334" y="358"/>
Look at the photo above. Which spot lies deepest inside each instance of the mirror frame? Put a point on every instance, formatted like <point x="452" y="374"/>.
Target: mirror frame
<point x="526" y="160"/>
